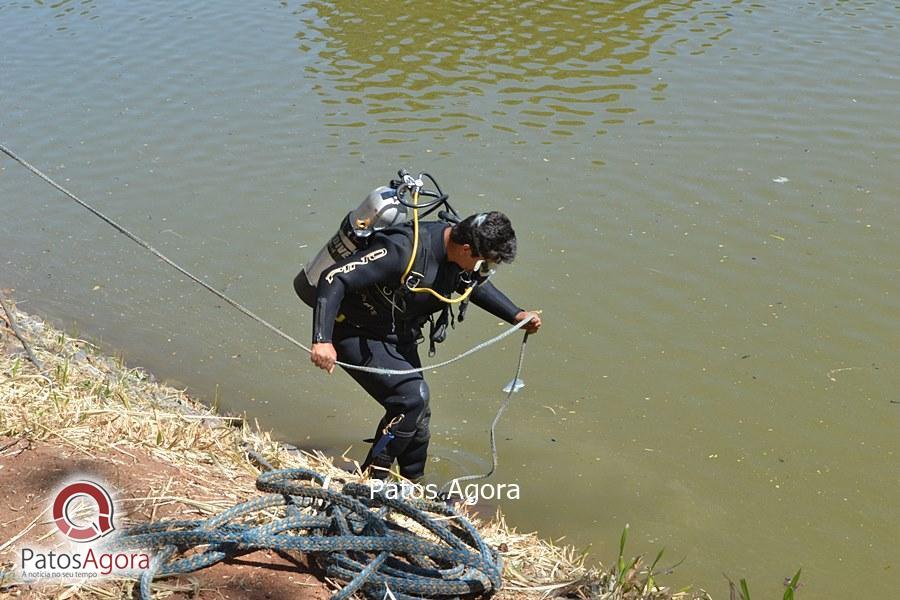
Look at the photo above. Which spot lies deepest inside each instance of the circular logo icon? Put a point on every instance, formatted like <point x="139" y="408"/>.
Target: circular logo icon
<point x="83" y="533"/>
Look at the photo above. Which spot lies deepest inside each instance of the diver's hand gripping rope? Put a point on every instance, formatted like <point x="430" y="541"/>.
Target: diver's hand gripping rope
<point x="234" y="303"/>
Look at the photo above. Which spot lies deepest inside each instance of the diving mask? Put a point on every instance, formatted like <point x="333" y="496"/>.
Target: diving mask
<point x="485" y="268"/>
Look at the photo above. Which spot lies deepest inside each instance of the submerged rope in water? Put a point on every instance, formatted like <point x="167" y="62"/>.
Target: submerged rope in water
<point x="494" y="455"/>
<point x="352" y="533"/>
<point x="246" y="311"/>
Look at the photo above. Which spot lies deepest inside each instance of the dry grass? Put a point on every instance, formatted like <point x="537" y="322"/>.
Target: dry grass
<point x="93" y="405"/>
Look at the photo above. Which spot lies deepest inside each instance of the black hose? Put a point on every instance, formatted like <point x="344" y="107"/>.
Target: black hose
<point x="434" y="181"/>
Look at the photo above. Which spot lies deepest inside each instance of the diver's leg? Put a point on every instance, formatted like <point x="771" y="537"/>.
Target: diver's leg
<point x="410" y="443"/>
<point x="404" y="397"/>
<point x="412" y="460"/>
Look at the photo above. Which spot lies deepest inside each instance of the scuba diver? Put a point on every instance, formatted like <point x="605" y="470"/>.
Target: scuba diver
<point x="376" y="284"/>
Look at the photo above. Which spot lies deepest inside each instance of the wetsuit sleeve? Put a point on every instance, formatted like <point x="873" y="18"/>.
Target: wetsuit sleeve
<point x="494" y="301"/>
<point x="382" y="261"/>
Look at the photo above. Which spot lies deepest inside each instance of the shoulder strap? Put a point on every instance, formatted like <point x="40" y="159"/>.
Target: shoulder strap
<point x="423" y="253"/>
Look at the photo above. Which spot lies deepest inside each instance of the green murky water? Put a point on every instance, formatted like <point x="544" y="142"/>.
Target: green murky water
<point x="706" y="195"/>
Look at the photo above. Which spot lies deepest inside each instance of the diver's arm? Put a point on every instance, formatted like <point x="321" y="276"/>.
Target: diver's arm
<point x="494" y="301"/>
<point x="488" y="297"/>
<point x="381" y="261"/>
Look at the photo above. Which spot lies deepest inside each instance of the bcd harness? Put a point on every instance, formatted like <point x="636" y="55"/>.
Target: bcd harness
<point x="423" y="266"/>
<point x="437" y="330"/>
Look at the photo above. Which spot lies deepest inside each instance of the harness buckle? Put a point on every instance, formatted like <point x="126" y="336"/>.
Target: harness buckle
<point x="413" y="280"/>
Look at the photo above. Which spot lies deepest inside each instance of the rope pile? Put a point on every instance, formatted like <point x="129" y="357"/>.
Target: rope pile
<point x="353" y="534"/>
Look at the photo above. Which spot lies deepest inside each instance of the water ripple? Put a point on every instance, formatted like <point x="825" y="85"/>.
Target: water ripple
<point x="543" y="62"/>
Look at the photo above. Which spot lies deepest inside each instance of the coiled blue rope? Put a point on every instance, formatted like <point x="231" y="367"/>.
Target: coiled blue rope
<point x="350" y="533"/>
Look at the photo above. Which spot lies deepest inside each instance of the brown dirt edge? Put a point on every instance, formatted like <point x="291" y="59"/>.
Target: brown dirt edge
<point x="31" y="471"/>
<point x="168" y="456"/>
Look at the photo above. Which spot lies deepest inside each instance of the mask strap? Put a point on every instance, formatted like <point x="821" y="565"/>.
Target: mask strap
<point x="476" y="223"/>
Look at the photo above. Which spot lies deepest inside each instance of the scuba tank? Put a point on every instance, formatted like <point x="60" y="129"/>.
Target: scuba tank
<point x="381" y="208"/>
<point x="384" y="207"/>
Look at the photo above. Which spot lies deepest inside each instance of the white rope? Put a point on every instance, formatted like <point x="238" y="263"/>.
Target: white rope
<point x="136" y="239"/>
<point x="495" y="460"/>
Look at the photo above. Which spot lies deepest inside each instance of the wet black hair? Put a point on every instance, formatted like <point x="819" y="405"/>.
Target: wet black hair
<point x="490" y="234"/>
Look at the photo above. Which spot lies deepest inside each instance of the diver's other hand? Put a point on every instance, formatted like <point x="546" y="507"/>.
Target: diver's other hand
<point x="534" y="324"/>
<point x="323" y="356"/>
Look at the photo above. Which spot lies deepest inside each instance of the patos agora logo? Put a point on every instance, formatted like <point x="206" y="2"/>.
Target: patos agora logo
<point x="83" y="513"/>
<point x="81" y="532"/>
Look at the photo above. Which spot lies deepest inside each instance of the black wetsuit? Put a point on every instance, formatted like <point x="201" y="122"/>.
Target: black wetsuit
<point x="358" y="311"/>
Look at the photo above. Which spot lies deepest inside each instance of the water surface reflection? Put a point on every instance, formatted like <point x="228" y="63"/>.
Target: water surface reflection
<point x="486" y="69"/>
